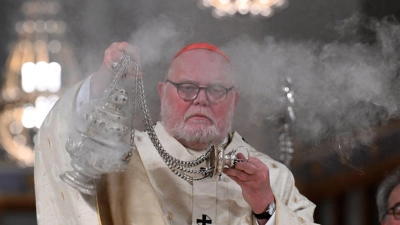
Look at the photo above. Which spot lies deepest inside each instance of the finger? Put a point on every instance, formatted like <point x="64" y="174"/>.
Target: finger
<point x="111" y="55"/>
<point x="238" y="174"/>
<point x="247" y="167"/>
<point x="109" y="61"/>
<point x="232" y="172"/>
<point x="114" y="52"/>
<point x="237" y="180"/>
<point x="241" y="156"/>
<point x="115" y="55"/>
<point x="255" y="160"/>
<point x="128" y="48"/>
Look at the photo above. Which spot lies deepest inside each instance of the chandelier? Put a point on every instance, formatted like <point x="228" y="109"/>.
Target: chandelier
<point x="221" y="8"/>
<point x="34" y="76"/>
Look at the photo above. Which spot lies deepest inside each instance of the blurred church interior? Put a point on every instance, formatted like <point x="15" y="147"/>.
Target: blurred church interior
<point x="46" y="46"/>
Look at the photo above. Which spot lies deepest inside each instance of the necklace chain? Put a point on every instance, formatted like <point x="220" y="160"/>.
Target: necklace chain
<point x="179" y="167"/>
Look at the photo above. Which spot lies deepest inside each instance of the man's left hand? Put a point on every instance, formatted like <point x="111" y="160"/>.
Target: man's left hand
<point x="252" y="175"/>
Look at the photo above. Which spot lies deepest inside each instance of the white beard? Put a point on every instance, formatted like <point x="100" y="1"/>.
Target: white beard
<point x="177" y="127"/>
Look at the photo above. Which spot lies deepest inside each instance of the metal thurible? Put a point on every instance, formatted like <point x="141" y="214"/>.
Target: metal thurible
<point x="220" y="160"/>
<point x="96" y="145"/>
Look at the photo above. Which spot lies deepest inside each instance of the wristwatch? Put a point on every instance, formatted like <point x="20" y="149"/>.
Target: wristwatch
<point x="268" y="213"/>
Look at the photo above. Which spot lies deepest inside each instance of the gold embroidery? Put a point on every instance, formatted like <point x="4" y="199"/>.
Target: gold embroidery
<point x="49" y="142"/>
<point x="98" y="211"/>
<point x="247" y="219"/>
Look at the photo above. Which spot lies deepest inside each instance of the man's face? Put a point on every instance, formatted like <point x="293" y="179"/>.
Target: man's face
<point x="393" y="199"/>
<point x="196" y="122"/>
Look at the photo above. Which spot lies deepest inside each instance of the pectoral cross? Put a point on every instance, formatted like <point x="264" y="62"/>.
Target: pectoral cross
<point x="204" y="220"/>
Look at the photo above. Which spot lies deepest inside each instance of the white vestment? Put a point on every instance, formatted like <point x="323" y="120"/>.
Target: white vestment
<point x="147" y="192"/>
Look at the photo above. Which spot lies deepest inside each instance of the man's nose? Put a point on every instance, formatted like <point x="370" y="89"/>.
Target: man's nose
<point x="201" y="98"/>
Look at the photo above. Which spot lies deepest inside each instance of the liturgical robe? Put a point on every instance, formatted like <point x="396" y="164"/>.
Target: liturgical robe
<point x="147" y="192"/>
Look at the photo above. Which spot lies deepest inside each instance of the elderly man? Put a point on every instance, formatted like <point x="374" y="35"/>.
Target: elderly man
<point x="198" y="99"/>
<point x="388" y="200"/>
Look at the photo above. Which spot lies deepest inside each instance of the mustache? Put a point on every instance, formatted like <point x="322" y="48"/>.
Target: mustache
<point x="199" y="112"/>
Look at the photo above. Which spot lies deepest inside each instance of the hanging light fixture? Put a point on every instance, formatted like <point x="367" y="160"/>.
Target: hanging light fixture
<point x="35" y="73"/>
<point x="221" y="8"/>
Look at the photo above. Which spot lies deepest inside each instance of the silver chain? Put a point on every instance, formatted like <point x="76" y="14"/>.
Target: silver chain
<point x="179" y="167"/>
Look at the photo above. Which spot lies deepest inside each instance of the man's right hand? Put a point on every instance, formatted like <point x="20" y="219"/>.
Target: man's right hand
<point x="102" y="78"/>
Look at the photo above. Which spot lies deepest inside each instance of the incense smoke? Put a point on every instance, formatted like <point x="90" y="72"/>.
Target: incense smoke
<point x="340" y="89"/>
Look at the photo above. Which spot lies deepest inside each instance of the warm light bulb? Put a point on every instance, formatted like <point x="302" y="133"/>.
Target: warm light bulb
<point x="43" y="107"/>
<point x="28" y="116"/>
<point x="28" y="78"/>
<point x="41" y="77"/>
<point x="19" y="27"/>
<point x="218" y="13"/>
<point x="267" y="12"/>
<point x="53" y="77"/>
<point x="16" y="127"/>
<point x="243" y="9"/>
<point x="224" y="2"/>
<point x="42" y="74"/>
<point x="231" y="9"/>
<point x="28" y="26"/>
<point x="39" y="26"/>
<point x="255" y="9"/>
<point x="54" y="46"/>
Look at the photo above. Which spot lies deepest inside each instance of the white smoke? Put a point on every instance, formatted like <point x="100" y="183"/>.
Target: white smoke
<point x="339" y="88"/>
<point x="159" y="39"/>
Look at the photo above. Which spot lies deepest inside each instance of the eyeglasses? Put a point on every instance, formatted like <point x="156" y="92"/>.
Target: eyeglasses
<point x="188" y="91"/>
<point x="395" y="210"/>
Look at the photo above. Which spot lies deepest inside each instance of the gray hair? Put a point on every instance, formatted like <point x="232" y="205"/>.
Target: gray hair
<point x="384" y="191"/>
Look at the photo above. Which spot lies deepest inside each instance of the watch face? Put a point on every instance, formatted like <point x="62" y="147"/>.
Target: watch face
<point x="271" y="208"/>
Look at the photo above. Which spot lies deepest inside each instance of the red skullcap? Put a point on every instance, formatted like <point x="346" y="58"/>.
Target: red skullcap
<point x="201" y="45"/>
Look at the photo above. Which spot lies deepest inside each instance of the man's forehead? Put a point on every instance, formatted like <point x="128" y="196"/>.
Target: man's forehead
<point x="201" y="66"/>
<point x="201" y="61"/>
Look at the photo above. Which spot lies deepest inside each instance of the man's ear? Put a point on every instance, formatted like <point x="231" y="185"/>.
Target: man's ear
<point x="160" y="88"/>
<point x="236" y="98"/>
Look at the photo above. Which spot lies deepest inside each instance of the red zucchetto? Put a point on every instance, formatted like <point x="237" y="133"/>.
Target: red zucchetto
<point x="201" y="45"/>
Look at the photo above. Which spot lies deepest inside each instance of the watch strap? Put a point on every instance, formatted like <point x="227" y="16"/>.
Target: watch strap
<point x="267" y="214"/>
